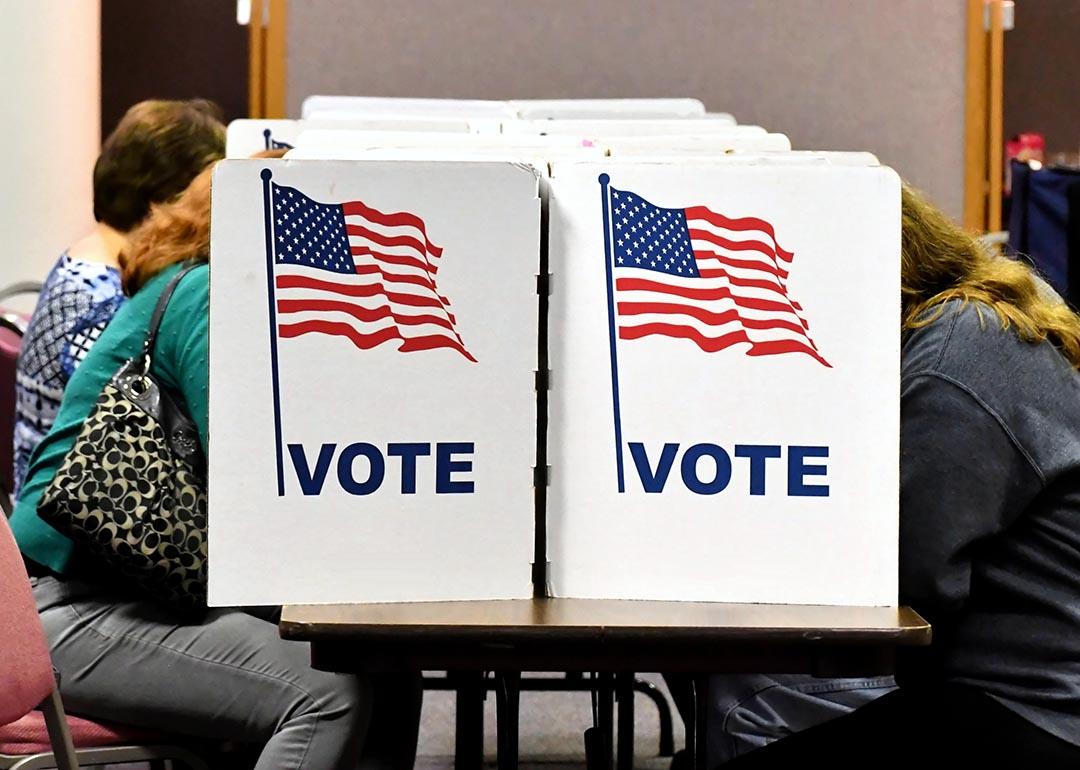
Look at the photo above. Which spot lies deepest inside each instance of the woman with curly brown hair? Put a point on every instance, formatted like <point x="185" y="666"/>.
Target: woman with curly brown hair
<point x="150" y="157"/>
<point x="989" y="522"/>
<point x="125" y="658"/>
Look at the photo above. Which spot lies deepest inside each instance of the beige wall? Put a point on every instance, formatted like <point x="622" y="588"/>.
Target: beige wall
<point x="879" y="75"/>
<point x="50" y="52"/>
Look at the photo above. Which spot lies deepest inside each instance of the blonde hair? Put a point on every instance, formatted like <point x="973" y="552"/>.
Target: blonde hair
<point x="940" y="262"/>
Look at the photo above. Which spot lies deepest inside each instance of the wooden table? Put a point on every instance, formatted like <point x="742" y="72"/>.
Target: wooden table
<point x="613" y="638"/>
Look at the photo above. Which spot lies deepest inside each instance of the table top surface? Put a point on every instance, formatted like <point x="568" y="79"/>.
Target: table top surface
<point x="584" y="619"/>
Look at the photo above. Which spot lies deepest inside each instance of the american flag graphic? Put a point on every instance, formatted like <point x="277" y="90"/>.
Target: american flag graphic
<point x="348" y="269"/>
<point x="698" y="275"/>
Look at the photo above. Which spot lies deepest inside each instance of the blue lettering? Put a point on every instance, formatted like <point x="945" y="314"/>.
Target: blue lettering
<point x="376" y="469"/>
<point x="445" y="465"/>
<point x="311" y="483"/>
<point x="408" y="454"/>
<point x="798" y="470"/>
<point x="757" y="453"/>
<point x="653" y="481"/>
<point x="689" y="469"/>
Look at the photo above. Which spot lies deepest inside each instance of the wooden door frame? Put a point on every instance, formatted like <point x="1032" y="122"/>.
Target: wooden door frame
<point x="984" y="115"/>
<point x="267" y="58"/>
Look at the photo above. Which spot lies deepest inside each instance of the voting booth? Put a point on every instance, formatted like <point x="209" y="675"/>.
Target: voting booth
<point x="372" y="140"/>
<point x="398" y="314"/>
<point x="533" y="109"/>
<point x="373" y="405"/>
<point x="373" y="106"/>
<point x="597" y="128"/>
<point x="246" y="137"/>
<point x="717" y="142"/>
<point x="721" y="426"/>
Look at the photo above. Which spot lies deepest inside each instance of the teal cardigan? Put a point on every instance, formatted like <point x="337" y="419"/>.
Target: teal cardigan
<point x="180" y="363"/>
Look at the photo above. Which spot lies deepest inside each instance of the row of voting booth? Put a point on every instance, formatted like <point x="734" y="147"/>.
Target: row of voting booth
<point x="651" y="350"/>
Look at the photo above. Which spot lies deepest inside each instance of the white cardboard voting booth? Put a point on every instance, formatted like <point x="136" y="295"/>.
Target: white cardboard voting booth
<point x="539" y="158"/>
<point x="524" y="108"/>
<point x="371" y="106"/>
<point x="689" y="144"/>
<point x="746" y="157"/>
<point x="609" y="108"/>
<point x="352" y="139"/>
<point x="245" y="137"/>
<point x="602" y="128"/>
<point x="720" y="428"/>
<point x="724" y="414"/>
<point x="373" y="405"/>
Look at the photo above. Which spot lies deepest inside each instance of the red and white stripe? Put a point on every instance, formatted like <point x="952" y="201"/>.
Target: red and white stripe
<point x="741" y="295"/>
<point x="392" y="296"/>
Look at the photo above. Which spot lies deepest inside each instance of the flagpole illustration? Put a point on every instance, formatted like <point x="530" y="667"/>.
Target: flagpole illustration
<point x="604" y="180"/>
<point x="268" y="214"/>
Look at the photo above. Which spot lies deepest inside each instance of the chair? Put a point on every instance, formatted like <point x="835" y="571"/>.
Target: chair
<point x="26" y="676"/>
<point x="12" y="328"/>
<point x="34" y="731"/>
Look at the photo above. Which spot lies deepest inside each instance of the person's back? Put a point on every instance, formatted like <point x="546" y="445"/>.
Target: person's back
<point x="153" y="154"/>
<point x="127" y="658"/>
<point x="989" y="521"/>
<point x="77" y="300"/>
<point x="990" y="531"/>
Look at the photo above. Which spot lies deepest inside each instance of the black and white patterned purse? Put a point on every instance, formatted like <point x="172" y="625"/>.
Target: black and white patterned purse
<point x="132" y="489"/>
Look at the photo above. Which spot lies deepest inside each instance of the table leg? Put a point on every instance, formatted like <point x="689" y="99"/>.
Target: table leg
<point x="605" y="695"/>
<point x="624" y="694"/>
<point x="469" y="718"/>
<point x="701" y="717"/>
<point x="688" y="707"/>
<point x="507" y="698"/>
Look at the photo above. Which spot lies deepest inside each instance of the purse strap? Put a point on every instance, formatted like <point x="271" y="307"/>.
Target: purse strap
<point x="159" y="313"/>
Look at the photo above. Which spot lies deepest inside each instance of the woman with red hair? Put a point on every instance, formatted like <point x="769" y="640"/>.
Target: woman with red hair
<point x="125" y="658"/>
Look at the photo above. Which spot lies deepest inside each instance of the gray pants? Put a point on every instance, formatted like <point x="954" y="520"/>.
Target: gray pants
<point x="228" y="676"/>
<point x="749" y="711"/>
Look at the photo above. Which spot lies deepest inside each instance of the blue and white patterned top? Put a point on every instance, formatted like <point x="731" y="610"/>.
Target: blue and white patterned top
<point x="78" y="300"/>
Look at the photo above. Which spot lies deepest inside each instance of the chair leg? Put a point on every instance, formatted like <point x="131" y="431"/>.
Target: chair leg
<point x="59" y="734"/>
<point x="172" y="757"/>
<point x="35" y="762"/>
<point x="624" y="695"/>
<point x="663" y="711"/>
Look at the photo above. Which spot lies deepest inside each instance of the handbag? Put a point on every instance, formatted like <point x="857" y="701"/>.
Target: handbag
<point x="132" y="488"/>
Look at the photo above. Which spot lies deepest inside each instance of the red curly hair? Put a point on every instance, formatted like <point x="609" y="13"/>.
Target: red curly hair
<point x="177" y="231"/>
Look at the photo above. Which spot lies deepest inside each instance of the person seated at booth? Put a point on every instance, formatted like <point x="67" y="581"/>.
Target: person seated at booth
<point x="989" y="525"/>
<point x="154" y="152"/>
<point x="126" y="658"/>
